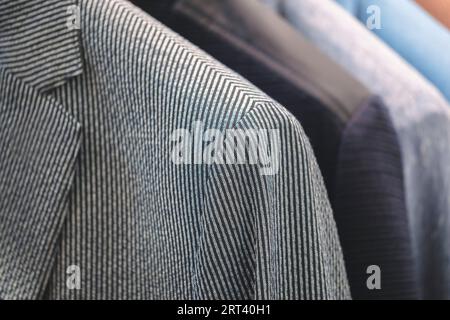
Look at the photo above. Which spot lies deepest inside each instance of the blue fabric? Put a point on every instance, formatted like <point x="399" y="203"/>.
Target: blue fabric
<point x="414" y="34"/>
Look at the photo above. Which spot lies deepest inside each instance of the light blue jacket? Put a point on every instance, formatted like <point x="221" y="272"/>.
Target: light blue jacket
<point x="412" y="32"/>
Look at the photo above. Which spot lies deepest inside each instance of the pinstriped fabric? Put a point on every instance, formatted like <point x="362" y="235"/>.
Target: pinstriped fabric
<point x="271" y="240"/>
<point x="38" y="143"/>
<point x="369" y="175"/>
<point x="141" y="227"/>
<point x="36" y="43"/>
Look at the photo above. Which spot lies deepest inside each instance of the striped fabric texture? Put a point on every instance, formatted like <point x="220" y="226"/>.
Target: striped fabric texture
<point x="351" y="132"/>
<point x="87" y="182"/>
<point x="320" y="94"/>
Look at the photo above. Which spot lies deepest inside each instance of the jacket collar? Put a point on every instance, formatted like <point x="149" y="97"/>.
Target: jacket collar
<point x="39" y="42"/>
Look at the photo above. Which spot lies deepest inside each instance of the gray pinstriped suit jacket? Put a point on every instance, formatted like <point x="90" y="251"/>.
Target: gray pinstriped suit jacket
<point x="86" y="177"/>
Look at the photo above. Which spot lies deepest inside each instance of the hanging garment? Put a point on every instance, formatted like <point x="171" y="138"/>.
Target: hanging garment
<point x="409" y="30"/>
<point x="440" y="9"/>
<point x="317" y="91"/>
<point x="350" y="130"/>
<point x="93" y="112"/>
<point x="421" y="119"/>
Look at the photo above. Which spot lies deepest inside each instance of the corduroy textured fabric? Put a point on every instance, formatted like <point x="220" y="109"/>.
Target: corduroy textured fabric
<point x="421" y="118"/>
<point x="87" y="178"/>
<point x="351" y="131"/>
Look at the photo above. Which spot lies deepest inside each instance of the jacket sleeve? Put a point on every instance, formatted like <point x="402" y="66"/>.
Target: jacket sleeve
<point x="270" y="235"/>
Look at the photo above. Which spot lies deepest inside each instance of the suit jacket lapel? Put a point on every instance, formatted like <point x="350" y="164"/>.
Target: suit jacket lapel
<point x="39" y="143"/>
